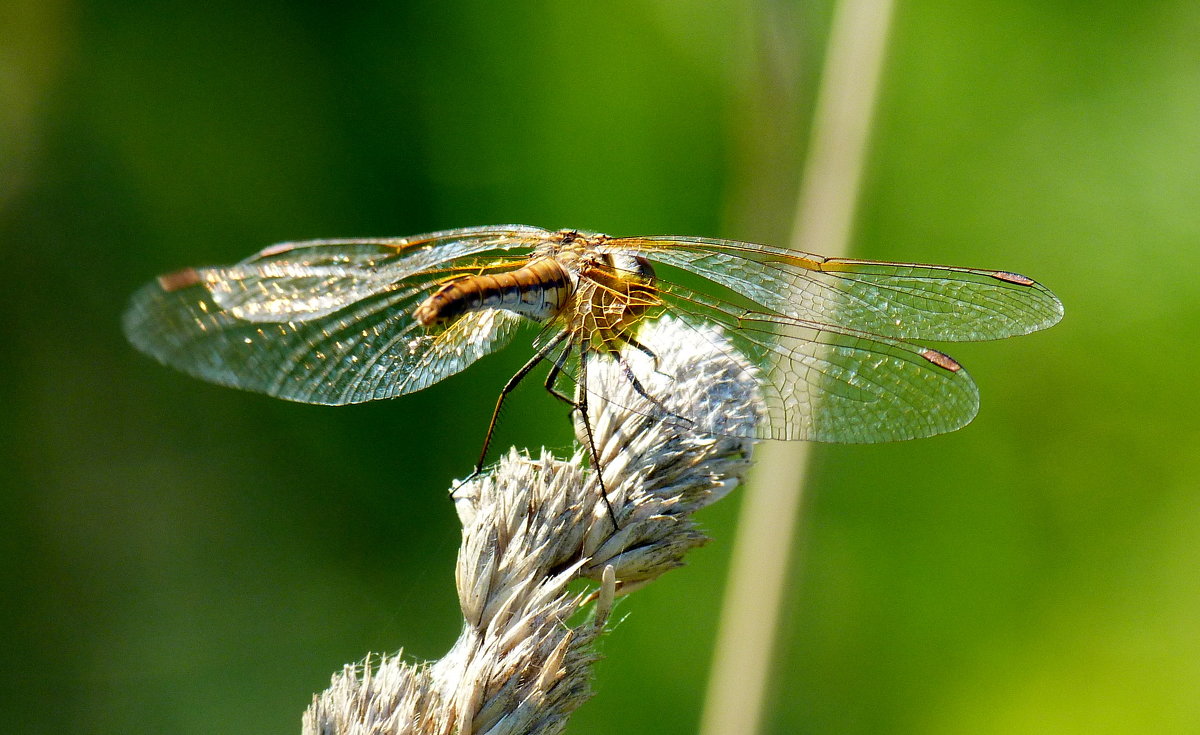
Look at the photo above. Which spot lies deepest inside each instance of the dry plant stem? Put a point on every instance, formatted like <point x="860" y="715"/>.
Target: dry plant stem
<point x="824" y="220"/>
<point x="532" y="525"/>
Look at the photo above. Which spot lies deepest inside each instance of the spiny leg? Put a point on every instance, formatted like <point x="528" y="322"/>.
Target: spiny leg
<point x="582" y="406"/>
<point x="639" y="388"/>
<point x="630" y="340"/>
<point x="627" y="369"/>
<point x="509" y="387"/>
<point x="555" y="370"/>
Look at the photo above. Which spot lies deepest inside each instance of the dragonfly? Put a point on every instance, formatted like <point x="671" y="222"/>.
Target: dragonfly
<point x="836" y="346"/>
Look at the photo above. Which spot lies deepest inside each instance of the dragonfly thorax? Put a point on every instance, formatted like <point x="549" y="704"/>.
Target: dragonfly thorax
<point x="615" y="292"/>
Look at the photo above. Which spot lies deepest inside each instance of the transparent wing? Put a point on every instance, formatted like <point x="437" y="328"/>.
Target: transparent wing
<point x="309" y="279"/>
<point x="832" y="384"/>
<point x="893" y="300"/>
<point x="820" y="385"/>
<point x="326" y="321"/>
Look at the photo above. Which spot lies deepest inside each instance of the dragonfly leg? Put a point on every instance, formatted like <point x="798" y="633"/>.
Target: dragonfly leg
<point x="581" y="405"/>
<point x="630" y="340"/>
<point x="509" y="387"/>
<point x="641" y="391"/>
<point x="627" y="369"/>
<point x="555" y="371"/>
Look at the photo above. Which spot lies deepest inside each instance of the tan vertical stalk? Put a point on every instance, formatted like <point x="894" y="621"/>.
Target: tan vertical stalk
<point x="823" y="224"/>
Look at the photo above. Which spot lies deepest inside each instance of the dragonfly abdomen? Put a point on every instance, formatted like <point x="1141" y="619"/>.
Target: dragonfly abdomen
<point x="537" y="291"/>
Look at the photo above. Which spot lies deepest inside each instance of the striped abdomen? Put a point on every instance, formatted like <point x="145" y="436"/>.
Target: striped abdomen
<point x="537" y="291"/>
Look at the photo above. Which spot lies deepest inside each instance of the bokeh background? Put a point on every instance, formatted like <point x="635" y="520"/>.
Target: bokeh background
<point x="181" y="558"/>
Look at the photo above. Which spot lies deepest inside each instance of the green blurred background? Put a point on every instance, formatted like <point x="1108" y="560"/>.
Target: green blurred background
<point x="181" y="558"/>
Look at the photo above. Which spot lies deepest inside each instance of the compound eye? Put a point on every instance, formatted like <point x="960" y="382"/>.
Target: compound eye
<point x="633" y="264"/>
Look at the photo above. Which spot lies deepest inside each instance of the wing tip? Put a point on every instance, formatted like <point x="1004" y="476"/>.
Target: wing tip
<point x="1051" y="315"/>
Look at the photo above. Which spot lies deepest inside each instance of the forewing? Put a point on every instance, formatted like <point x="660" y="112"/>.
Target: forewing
<point x="326" y="322"/>
<point x="309" y="279"/>
<point x="892" y="300"/>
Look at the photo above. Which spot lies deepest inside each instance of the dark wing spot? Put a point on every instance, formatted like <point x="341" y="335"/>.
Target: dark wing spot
<point x="179" y="280"/>
<point x="942" y="360"/>
<point x="1010" y="277"/>
<point x="276" y="249"/>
